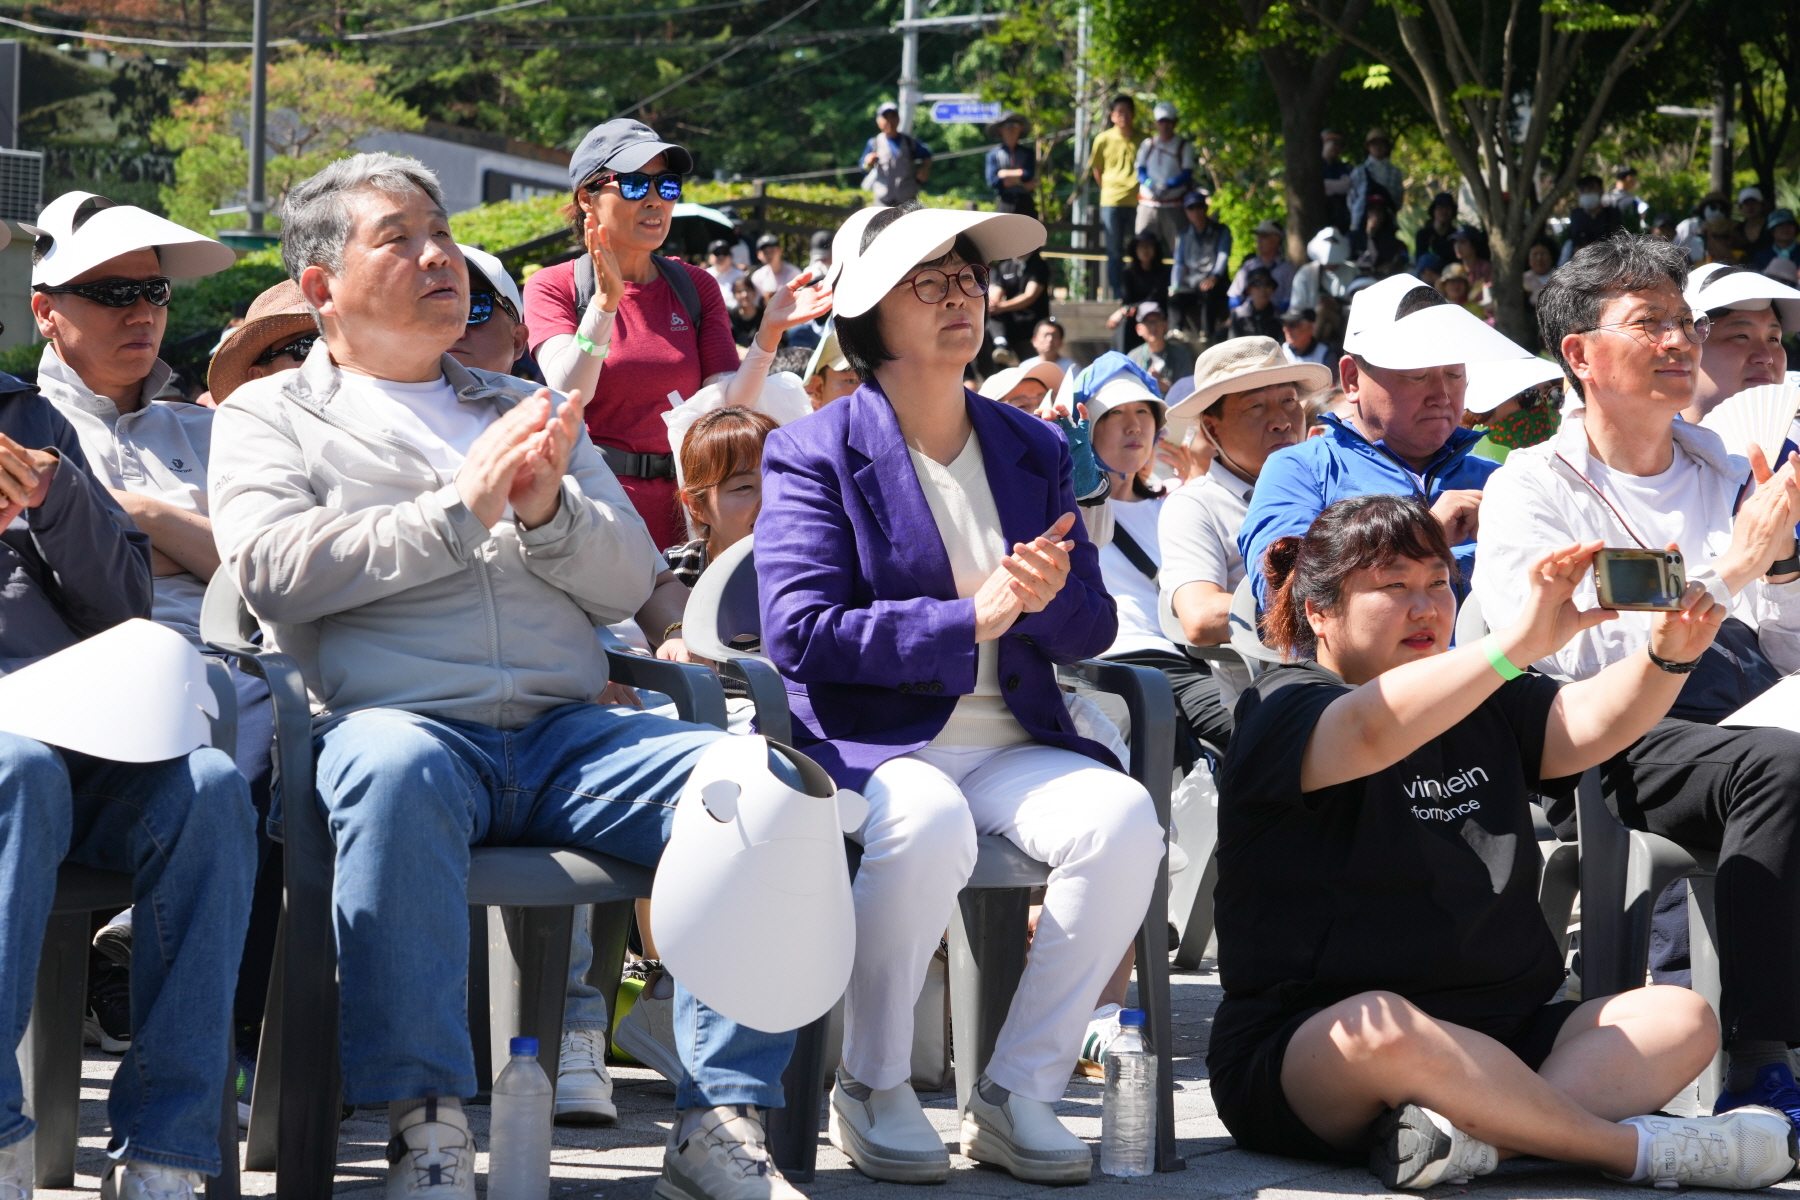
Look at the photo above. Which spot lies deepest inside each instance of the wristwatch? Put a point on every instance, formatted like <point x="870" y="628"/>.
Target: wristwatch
<point x="1786" y="566"/>
<point x="1673" y="668"/>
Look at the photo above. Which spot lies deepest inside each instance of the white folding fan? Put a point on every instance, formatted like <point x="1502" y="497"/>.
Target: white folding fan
<point x="1758" y="416"/>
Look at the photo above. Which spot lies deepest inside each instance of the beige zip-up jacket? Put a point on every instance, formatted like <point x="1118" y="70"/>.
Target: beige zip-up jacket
<point x="361" y="560"/>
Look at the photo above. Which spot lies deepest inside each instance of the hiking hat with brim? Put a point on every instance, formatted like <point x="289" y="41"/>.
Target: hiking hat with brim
<point x="624" y="145"/>
<point x="1243" y="365"/>
<point x="1405" y="324"/>
<point x="1492" y="384"/>
<point x="1000" y="384"/>
<point x="921" y="236"/>
<point x="826" y="354"/>
<point x="278" y="315"/>
<point x="487" y="267"/>
<point x="78" y="231"/>
<point x="1716" y="285"/>
<point x="846" y="243"/>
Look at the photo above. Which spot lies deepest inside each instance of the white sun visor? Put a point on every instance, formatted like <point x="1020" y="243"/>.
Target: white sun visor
<point x="921" y="236"/>
<point x="85" y="230"/>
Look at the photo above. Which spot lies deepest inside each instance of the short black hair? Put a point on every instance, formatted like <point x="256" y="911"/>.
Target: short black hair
<point x="859" y="338"/>
<point x="1571" y="302"/>
<point x="1587" y="181"/>
<point x="1122" y="98"/>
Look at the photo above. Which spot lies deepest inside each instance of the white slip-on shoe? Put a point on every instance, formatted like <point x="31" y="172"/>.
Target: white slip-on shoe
<point x="432" y="1157"/>
<point x="134" y="1180"/>
<point x="1025" y="1137"/>
<point x="1417" y="1148"/>
<point x="1749" y="1147"/>
<point x="18" y="1169"/>
<point x="885" y="1133"/>
<point x="648" y="1034"/>
<point x="724" y="1158"/>
<point x="584" y="1091"/>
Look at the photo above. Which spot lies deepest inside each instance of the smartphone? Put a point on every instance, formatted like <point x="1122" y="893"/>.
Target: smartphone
<point x="1640" y="580"/>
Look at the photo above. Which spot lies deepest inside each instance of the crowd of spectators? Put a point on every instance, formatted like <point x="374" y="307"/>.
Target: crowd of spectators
<point x="435" y="538"/>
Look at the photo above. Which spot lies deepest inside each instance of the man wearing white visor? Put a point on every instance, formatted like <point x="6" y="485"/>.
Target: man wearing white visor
<point x="922" y="569"/>
<point x="1624" y="472"/>
<point x="1404" y="370"/>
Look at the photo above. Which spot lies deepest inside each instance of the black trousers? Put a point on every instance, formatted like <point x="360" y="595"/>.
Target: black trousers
<point x="1206" y="312"/>
<point x="1200" y="716"/>
<point x="1736" y="792"/>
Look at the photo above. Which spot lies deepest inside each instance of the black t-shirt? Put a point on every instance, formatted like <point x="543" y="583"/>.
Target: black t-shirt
<point x="1421" y="879"/>
<point x="1013" y="274"/>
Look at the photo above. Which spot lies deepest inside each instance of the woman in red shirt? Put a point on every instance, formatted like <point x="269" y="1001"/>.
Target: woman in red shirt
<point x="635" y="342"/>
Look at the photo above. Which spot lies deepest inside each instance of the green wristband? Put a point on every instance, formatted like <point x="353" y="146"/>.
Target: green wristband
<point x="588" y="348"/>
<point x="1497" y="659"/>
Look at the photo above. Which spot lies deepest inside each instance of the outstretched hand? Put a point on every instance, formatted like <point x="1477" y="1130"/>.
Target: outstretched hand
<point x="801" y="299"/>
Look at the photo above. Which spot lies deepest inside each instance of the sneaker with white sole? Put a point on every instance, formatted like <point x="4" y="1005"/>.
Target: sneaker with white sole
<point x="432" y="1157"/>
<point x="134" y="1180"/>
<point x="584" y="1091"/>
<point x="1749" y="1147"/>
<point x="1102" y="1028"/>
<point x="724" y="1158"/>
<point x="648" y="1034"/>
<point x="885" y="1133"/>
<point x="18" y="1169"/>
<point x="1418" y="1148"/>
<point x="1025" y="1137"/>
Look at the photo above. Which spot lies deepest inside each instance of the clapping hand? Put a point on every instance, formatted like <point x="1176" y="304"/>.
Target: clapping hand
<point x="520" y="460"/>
<point x="1763" y="531"/>
<point x="609" y="281"/>
<point x="1028" y="580"/>
<point x="799" y="300"/>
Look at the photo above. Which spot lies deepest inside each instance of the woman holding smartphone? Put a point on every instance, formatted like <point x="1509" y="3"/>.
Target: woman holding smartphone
<point x="1388" y="973"/>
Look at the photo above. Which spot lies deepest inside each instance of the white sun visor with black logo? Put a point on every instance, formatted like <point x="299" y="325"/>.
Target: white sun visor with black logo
<point x="78" y="231"/>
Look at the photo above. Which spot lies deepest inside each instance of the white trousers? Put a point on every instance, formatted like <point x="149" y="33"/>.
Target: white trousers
<point x="1097" y="830"/>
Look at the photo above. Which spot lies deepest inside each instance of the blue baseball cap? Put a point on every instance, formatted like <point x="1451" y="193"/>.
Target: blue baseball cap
<point x="624" y="145"/>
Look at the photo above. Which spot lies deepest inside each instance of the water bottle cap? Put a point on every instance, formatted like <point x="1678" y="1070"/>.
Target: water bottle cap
<point x="528" y="1047"/>
<point x="1127" y="1016"/>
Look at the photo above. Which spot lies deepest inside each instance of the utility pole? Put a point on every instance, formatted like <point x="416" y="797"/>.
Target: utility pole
<point x="1721" y="138"/>
<point x="259" y="114"/>
<point x="1079" y="212"/>
<point x="909" y="66"/>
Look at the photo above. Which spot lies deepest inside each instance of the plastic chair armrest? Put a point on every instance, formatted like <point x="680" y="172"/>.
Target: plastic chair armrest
<point x="767" y="693"/>
<point x="699" y="699"/>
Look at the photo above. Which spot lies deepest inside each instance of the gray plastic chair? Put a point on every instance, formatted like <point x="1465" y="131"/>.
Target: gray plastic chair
<point x="988" y="935"/>
<point x="50" y="1053"/>
<point x="296" y="1108"/>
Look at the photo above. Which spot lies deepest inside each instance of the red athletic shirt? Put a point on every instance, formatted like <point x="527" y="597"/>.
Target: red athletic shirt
<point x="655" y="351"/>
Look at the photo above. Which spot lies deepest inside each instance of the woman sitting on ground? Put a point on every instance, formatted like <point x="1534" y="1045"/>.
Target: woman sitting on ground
<point x="922" y="571"/>
<point x="1389" y="976"/>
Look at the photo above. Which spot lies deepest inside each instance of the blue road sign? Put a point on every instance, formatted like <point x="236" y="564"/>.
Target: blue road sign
<point x="964" y="112"/>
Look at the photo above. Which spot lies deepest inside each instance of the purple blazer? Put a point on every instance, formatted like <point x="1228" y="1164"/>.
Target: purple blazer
<point x="859" y="608"/>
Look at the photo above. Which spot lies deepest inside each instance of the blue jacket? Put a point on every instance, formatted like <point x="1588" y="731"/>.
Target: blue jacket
<point x="859" y="609"/>
<point x="75" y="565"/>
<point x="1001" y="159"/>
<point x="1299" y="483"/>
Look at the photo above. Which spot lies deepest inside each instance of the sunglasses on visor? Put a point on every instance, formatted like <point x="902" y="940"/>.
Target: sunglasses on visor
<point x="635" y="185"/>
<point x="114" y="293"/>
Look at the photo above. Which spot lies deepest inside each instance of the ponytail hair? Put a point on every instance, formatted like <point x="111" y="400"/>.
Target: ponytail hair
<point x="1352" y="535"/>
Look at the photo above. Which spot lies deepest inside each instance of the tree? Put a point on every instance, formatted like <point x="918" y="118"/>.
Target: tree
<point x="1766" y="64"/>
<point x="1495" y="94"/>
<point x="319" y="107"/>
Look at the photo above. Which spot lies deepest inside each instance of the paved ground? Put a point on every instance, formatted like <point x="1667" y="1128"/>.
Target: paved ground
<point x="622" y="1163"/>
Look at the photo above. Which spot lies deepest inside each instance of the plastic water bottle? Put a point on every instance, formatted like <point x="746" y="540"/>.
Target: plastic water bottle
<point x="1128" y="1119"/>
<point x="519" y="1134"/>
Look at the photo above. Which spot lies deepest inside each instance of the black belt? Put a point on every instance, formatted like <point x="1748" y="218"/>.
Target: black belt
<point x="639" y="466"/>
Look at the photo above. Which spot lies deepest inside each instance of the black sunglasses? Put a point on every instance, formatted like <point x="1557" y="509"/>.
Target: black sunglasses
<point x="481" y="307"/>
<point x="297" y="348"/>
<point x="635" y="185"/>
<point x="114" y="293"/>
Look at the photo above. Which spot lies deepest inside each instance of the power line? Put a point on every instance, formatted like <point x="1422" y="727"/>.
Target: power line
<point x="695" y="74"/>
<point x="172" y="44"/>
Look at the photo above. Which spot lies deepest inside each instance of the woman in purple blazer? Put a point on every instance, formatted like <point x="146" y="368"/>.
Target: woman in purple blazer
<point x="922" y="571"/>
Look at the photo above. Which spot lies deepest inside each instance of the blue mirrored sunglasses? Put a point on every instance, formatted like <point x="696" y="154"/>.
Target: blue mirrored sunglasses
<point x="635" y="185"/>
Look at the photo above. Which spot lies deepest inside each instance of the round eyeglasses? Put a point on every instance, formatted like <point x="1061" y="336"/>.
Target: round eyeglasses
<point x="932" y="285"/>
<point x="1658" y="330"/>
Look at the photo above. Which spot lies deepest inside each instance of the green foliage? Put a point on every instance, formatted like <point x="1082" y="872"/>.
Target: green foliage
<point x="22" y="361"/>
<point x="206" y="304"/>
<point x="1586" y="16"/>
<point x="319" y="107"/>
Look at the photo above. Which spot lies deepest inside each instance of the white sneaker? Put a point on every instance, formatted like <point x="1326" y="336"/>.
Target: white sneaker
<point x="134" y="1180"/>
<point x="1417" y="1148"/>
<point x="432" y="1159"/>
<point x="885" y="1133"/>
<point x="1025" y="1137"/>
<point x="1102" y="1028"/>
<point x="1749" y="1147"/>
<point x="723" y="1159"/>
<point x="648" y="1034"/>
<point x="583" y="1088"/>
<point x="18" y="1170"/>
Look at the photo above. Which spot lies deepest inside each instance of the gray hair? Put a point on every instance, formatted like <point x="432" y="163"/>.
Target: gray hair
<point x="1572" y="300"/>
<point x="315" y="221"/>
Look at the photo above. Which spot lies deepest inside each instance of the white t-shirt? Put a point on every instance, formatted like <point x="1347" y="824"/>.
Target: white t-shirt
<point x="1660" y="509"/>
<point x="426" y="415"/>
<point x="768" y="282"/>
<point x="727" y="278"/>
<point x="1133" y="591"/>
<point x="962" y="507"/>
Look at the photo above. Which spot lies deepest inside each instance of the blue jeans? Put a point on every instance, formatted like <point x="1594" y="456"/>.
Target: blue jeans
<point x="184" y="829"/>
<point x="1121" y="227"/>
<point x="406" y="795"/>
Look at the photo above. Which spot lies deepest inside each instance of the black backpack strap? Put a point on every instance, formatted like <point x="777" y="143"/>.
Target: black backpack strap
<point x="1133" y="552"/>
<point x="681" y="283"/>
<point x="585" y="284"/>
